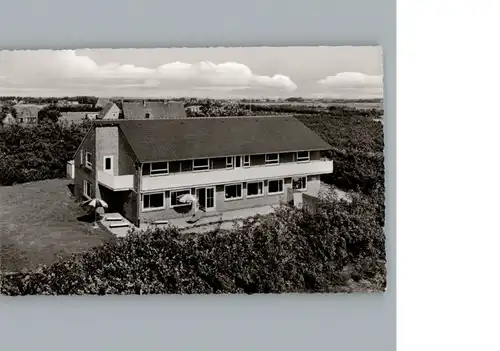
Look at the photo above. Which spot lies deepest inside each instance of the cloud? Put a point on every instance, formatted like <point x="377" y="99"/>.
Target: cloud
<point x="352" y="85"/>
<point x="64" y="69"/>
<point x="351" y="80"/>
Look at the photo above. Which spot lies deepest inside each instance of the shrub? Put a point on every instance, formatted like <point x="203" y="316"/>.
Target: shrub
<point x="338" y="248"/>
<point x="37" y="152"/>
<point x="357" y="153"/>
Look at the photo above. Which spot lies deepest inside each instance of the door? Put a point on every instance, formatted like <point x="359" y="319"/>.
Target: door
<point x="201" y="194"/>
<point x="210" y="199"/>
<point x="206" y="198"/>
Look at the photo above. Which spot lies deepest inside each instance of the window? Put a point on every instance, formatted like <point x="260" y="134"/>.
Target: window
<point x="229" y="162"/>
<point x="255" y="189"/>
<point x="232" y="192"/>
<point x="303" y="156"/>
<point x="158" y="168"/>
<point x="201" y="164"/>
<point x="186" y="166"/>
<point x="176" y="195"/>
<point x="246" y="161"/>
<point x="300" y="183"/>
<point x="272" y="159"/>
<point x="275" y="186"/>
<point x="87" y="189"/>
<point x="88" y="159"/>
<point x="146" y="116"/>
<point x="154" y="201"/>
<point x="237" y="161"/>
<point x="108" y="163"/>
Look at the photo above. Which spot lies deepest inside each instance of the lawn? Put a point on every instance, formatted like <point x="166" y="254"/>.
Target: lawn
<point x="39" y="221"/>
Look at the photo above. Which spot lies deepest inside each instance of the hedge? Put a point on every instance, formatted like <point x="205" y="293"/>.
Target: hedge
<point x="338" y="248"/>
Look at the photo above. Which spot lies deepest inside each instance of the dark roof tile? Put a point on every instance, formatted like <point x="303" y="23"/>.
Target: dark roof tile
<point x="189" y="138"/>
<point x="156" y="109"/>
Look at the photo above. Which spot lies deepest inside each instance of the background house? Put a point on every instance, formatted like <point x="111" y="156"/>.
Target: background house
<point x="91" y="115"/>
<point x="72" y="117"/>
<point x="153" y="109"/>
<point x="27" y="113"/>
<point x="109" y="111"/>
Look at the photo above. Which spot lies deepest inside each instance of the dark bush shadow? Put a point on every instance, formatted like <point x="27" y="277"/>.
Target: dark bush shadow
<point x="89" y="217"/>
<point x="71" y="188"/>
<point x="185" y="209"/>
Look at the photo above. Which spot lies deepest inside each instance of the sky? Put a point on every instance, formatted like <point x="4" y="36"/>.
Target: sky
<point x="239" y="72"/>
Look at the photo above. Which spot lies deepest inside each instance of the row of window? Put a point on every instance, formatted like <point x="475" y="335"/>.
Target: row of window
<point x="162" y="168"/>
<point x="156" y="201"/>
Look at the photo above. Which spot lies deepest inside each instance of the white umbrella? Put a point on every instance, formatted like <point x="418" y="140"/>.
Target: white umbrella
<point x="189" y="198"/>
<point x="95" y="204"/>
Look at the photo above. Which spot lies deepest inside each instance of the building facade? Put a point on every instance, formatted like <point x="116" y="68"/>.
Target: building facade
<point x="142" y="168"/>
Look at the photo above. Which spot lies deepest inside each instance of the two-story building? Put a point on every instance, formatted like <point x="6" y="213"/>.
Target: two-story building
<point x="144" y="109"/>
<point x="142" y="167"/>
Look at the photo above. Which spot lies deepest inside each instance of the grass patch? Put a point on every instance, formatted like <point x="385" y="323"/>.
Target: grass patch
<point x="39" y="221"/>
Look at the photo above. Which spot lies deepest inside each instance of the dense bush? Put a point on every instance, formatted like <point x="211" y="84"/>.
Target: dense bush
<point x="49" y="113"/>
<point x="37" y="152"/>
<point x="347" y="132"/>
<point x="357" y="153"/>
<point x="355" y="170"/>
<point x="338" y="248"/>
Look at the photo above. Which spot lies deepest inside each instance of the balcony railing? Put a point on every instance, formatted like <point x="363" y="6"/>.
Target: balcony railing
<point x="116" y="183"/>
<point x="224" y="176"/>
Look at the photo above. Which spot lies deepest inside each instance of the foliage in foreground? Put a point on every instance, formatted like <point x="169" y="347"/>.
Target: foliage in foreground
<point x="338" y="248"/>
<point x="37" y="152"/>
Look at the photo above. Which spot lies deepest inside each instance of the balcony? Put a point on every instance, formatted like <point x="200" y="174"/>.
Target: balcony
<point x="225" y="176"/>
<point x="116" y="183"/>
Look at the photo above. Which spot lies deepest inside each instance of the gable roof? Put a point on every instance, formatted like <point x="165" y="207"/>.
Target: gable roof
<point x="105" y="110"/>
<point x="190" y="138"/>
<point x="156" y="109"/>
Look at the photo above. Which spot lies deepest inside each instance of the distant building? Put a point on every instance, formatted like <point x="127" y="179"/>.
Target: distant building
<point x="194" y="108"/>
<point x="109" y="111"/>
<point x="64" y="103"/>
<point x="27" y="113"/>
<point x="72" y="117"/>
<point x="153" y="110"/>
<point x="91" y="115"/>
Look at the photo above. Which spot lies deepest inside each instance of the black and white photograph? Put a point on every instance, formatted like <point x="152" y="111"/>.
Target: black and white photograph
<point x="242" y="170"/>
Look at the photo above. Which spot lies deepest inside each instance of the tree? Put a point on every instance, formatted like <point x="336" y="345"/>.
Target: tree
<point x="49" y="113"/>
